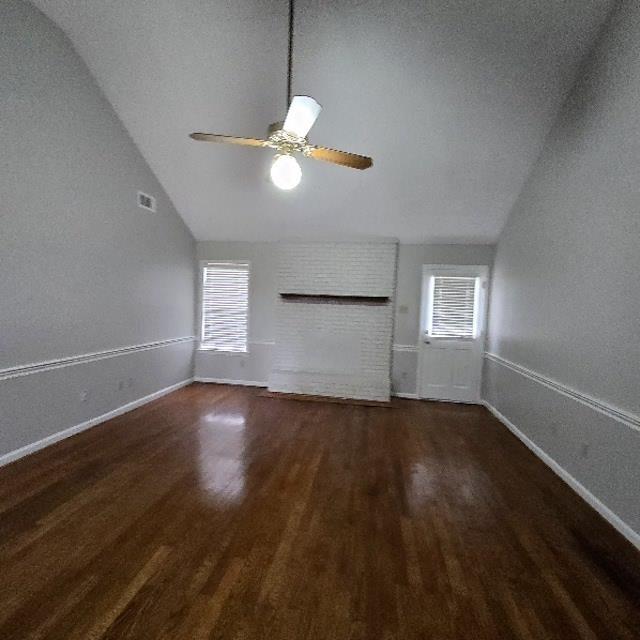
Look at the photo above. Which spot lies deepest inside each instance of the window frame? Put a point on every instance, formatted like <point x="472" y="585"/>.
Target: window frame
<point x="475" y="325"/>
<point x="201" y="344"/>
<point x="481" y="273"/>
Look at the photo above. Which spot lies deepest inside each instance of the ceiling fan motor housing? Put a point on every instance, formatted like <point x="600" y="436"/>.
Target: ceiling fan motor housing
<point x="274" y="126"/>
<point x="286" y="142"/>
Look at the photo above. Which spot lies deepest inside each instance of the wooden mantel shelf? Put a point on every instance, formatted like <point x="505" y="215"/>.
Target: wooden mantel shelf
<point x="315" y="298"/>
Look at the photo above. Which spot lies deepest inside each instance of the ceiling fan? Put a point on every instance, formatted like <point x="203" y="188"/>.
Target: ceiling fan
<point x="290" y="137"/>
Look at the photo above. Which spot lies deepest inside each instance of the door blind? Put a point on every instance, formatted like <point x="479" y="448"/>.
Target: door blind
<point x="454" y="300"/>
<point x="225" y="306"/>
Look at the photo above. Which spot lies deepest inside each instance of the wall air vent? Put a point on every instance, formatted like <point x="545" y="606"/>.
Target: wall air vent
<point x="146" y="202"/>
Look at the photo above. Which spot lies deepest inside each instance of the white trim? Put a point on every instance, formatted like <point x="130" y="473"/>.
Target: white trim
<point x="222" y="352"/>
<point x="260" y="343"/>
<point x="201" y="265"/>
<point x="629" y="419"/>
<point x="47" y="365"/>
<point x="254" y="383"/>
<point x="83" y="426"/>
<point x="471" y="403"/>
<point x="242" y="383"/>
<point x="409" y="348"/>
<point x="620" y="525"/>
<point x="480" y="271"/>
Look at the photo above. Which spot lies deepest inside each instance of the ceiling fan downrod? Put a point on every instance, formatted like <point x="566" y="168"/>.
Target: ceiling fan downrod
<point x="290" y="52"/>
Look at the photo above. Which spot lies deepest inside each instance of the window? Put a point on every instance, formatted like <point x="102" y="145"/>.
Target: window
<point x="453" y="307"/>
<point x="225" y="306"/>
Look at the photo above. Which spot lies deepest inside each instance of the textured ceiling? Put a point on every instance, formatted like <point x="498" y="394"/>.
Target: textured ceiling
<point x="451" y="98"/>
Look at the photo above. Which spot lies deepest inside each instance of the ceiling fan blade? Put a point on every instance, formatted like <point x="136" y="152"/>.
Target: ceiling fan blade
<point x="302" y="113"/>
<point x="343" y="158"/>
<point x="214" y="137"/>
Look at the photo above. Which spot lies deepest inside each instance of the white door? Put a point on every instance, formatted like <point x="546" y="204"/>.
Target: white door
<point x="452" y="332"/>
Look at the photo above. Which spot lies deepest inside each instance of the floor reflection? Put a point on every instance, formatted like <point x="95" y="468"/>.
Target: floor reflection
<point x="423" y="484"/>
<point x="221" y="463"/>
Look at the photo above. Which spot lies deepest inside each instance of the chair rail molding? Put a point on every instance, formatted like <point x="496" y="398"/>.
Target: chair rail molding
<point x="68" y="361"/>
<point x="409" y="348"/>
<point x="629" y="419"/>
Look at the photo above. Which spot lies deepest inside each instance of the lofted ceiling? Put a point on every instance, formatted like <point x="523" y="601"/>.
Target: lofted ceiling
<point x="451" y="98"/>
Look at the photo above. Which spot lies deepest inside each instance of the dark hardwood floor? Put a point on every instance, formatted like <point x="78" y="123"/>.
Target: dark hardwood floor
<point x="217" y="513"/>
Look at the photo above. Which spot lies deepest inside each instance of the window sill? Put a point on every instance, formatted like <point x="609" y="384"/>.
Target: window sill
<point x="202" y="349"/>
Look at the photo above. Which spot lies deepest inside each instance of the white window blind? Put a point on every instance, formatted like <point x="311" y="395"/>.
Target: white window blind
<point x="453" y="307"/>
<point x="225" y="306"/>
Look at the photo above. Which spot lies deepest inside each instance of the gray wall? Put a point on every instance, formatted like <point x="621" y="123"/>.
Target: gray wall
<point x="255" y="365"/>
<point x="83" y="269"/>
<point x="566" y="294"/>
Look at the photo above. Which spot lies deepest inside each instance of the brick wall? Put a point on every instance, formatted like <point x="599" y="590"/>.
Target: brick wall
<point x="340" y="268"/>
<point x="324" y="348"/>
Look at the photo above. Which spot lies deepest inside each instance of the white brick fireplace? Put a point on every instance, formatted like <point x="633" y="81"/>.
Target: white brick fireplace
<point x="335" y="319"/>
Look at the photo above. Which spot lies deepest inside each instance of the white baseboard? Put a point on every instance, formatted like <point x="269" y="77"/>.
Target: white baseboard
<point x="620" y="525"/>
<point x="242" y="383"/>
<point x="253" y="383"/>
<point x="83" y="426"/>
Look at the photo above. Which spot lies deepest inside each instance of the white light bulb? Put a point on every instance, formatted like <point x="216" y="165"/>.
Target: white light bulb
<point x="286" y="172"/>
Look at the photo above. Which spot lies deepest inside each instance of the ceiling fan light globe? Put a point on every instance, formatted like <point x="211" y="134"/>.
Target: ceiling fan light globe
<point x="286" y="172"/>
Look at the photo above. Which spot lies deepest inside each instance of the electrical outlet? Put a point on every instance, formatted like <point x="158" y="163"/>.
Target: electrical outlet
<point x="120" y="385"/>
<point x="584" y="450"/>
<point x="129" y="382"/>
<point x="84" y="395"/>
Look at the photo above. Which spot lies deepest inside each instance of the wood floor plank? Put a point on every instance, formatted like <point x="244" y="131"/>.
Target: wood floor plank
<point x="215" y="512"/>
